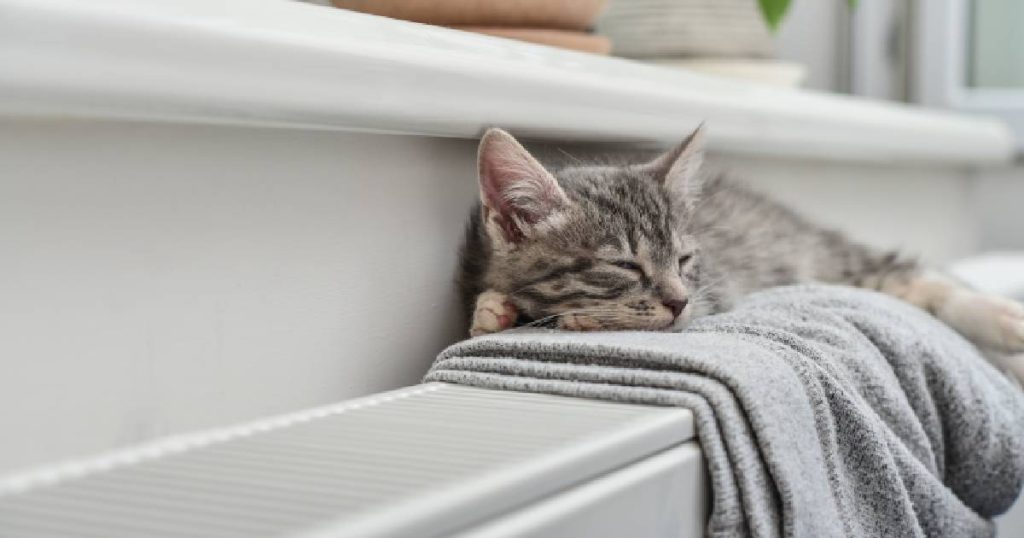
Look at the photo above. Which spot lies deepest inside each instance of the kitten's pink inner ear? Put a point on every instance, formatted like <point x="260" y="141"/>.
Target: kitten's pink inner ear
<point x="514" y="186"/>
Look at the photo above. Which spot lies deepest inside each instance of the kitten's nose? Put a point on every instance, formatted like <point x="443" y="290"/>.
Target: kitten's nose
<point x="675" y="305"/>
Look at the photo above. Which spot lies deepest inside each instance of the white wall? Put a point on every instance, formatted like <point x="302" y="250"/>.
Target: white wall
<point x="997" y="198"/>
<point x="161" y="278"/>
<point x="922" y="211"/>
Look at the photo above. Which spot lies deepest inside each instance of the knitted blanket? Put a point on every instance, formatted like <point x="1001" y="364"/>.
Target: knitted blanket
<point x="822" y="411"/>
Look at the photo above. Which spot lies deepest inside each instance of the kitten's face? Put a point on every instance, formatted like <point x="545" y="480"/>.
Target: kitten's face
<point x="590" y="248"/>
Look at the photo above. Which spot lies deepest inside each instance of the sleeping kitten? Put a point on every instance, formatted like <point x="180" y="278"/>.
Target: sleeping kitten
<point x="651" y="246"/>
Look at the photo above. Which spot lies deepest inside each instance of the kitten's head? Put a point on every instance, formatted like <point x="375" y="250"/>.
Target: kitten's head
<point x="591" y="247"/>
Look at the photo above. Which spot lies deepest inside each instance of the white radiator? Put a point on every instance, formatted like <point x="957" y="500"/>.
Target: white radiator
<point x="429" y="460"/>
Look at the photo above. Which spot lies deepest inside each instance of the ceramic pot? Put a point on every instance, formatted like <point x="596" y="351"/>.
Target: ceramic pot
<point x="560" y="14"/>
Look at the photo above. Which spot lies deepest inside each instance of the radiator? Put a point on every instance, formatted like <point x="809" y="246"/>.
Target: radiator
<point x="429" y="460"/>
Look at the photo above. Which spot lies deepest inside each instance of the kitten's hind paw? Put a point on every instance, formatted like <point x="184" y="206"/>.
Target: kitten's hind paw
<point x="1012" y="324"/>
<point x="494" y="313"/>
<point x="988" y="320"/>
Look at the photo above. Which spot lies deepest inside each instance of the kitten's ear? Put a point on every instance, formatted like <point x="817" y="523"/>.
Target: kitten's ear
<point x="678" y="169"/>
<point x="518" y="194"/>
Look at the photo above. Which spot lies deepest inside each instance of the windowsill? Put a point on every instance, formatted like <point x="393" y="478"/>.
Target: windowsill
<point x="289" y="64"/>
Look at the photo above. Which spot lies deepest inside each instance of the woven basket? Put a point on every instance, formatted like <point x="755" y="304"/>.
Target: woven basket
<point x="674" y="28"/>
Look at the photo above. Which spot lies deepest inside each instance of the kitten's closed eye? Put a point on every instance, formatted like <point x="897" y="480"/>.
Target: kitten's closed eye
<point x="627" y="265"/>
<point x="684" y="259"/>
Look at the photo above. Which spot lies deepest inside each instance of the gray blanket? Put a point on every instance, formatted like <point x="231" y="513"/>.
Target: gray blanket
<point x="822" y="411"/>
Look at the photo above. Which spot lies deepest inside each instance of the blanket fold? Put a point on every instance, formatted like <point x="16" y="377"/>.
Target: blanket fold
<point x="822" y="411"/>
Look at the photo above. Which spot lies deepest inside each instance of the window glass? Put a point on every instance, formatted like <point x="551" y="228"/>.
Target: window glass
<point x="996" y="53"/>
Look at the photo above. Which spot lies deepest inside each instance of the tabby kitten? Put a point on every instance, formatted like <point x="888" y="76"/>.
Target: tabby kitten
<point x="651" y="246"/>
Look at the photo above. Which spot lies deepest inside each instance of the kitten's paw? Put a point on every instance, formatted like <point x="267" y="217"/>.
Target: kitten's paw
<point x="494" y="313"/>
<point x="988" y="320"/>
<point x="1011" y="323"/>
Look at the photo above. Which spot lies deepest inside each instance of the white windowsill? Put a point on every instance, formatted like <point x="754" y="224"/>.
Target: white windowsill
<point x="289" y="64"/>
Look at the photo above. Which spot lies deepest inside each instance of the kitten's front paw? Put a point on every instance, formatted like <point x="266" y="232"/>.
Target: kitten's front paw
<point x="988" y="320"/>
<point x="494" y="313"/>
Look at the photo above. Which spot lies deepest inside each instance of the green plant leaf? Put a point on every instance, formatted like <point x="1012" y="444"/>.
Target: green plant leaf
<point x="774" y="10"/>
<point x="851" y="3"/>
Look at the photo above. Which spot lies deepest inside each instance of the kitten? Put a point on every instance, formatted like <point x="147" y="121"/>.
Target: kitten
<point x="651" y="246"/>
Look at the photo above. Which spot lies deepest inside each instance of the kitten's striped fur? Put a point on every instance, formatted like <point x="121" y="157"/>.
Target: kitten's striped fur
<point x="650" y="246"/>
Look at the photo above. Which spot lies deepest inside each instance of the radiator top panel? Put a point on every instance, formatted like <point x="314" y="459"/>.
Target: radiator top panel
<point x="421" y="461"/>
